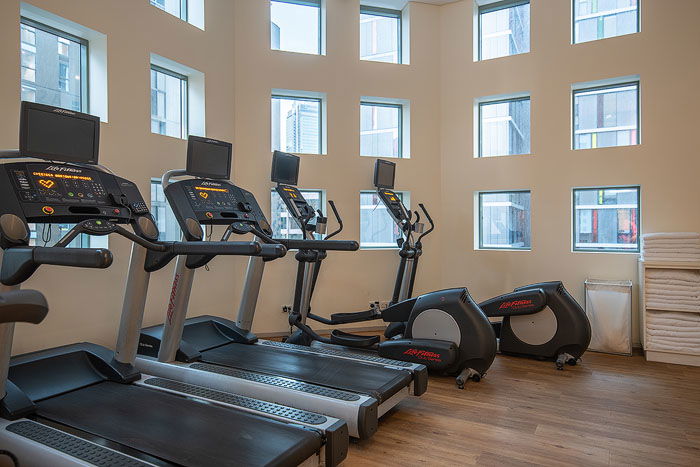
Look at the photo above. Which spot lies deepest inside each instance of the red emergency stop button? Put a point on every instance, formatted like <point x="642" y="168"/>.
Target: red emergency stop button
<point x="209" y="215"/>
<point x="48" y="210"/>
<point x="117" y="211"/>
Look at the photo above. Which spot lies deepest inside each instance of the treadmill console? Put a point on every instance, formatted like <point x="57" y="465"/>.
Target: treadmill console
<point x="393" y="203"/>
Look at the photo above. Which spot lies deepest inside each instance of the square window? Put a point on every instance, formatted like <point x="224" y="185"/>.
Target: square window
<point x="283" y="224"/>
<point x="177" y="8"/>
<point x="53" y="67"/>
<point x="380" y="35"/>
<point x="504" y="127"/>
<point x="168" y="227"/>
<point x="295" y="26"/>
<point x="168" y="103"/>
<point x="595" y="19"/>
<point x="606" y="116"/>
<point x="504" y="220"/>
<point x="504" y="29"/>
<point x="381" y="132"/>
<point x="377" y="228"/>
<point x="606" y="219"/>
<point x="296" y="124"/>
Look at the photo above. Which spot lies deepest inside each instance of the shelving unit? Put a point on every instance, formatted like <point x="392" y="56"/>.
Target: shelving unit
<point x="666" y="356"/>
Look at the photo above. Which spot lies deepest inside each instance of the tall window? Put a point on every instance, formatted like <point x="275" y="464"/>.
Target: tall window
<point x="504" y="220"/>
<point x="600" y="19"/>
<point x="53" y="67"/>
<point x="168" y="102"/>
<point x="380" y="34"/>
<point x="381" y="132"/>
<point x="283" y="224"/>
<point x="504" y="127"/>
<point x="606" y="219"/>
<point x="377" y="228"/>
<point x="296" y="124"/>
<point x="295" y="26"/>
<point x="168" y="227"/>
<point x="606" y="116"/>
<point x="174" y="7"/>
<point x="504" y="29"/>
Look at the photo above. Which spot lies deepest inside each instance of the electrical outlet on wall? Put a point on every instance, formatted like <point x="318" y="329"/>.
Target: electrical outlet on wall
<point x="286" y="309"/>
<point x="379" y="305"/>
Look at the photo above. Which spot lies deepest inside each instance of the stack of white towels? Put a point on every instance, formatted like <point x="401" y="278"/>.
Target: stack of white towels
<point x="677" y="289"/>
<point x="671" y="246"/>
<point x="674" y="332"/>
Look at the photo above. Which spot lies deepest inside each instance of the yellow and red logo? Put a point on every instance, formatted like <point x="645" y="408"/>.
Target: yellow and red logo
<point x="204" y="194"/>
<point x="48" y="210"/>
<point x="47" y="183"/>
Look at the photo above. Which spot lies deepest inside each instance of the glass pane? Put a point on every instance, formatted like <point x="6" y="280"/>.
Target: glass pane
<point x="49" y="234"/>
<point x="505" y="32"/>
<point x="595" y="19"/>
<point x="168" y="227"/>
<point x="379" y="38"/>
<point x="505" y="128"/>
<point x="168" y="94"/>
<point x="296" y="125"/>
<point x="283" y="224"/>
<point x="294" y="27"/>
<point x="51" y="69"/>
<point x="377" y="228"/>
<point x="606" y="117"/>
<point x="505" y="220"/>
<point x="380" y="130"/>
<point x="606" y="219"/>
<point x="174" y="7"/>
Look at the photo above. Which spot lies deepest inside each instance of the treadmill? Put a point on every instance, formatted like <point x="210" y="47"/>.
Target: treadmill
<point x="229" y="356"/>
<point x="83" y="404"/>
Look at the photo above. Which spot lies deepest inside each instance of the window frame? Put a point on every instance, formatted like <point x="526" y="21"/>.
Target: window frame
<point x="480" y="126"/>
<point x="490" y="8"/>
<point x="320" y="101"/>
<point x="403" y="196"/>
<point x="573" y="24"/>
<point x="387" y="13"/>
<point x="310" y="3"/>
<point x="84" y="57"/>
<point x="606" y="250"/>
<point x="184" y="11"/>
<point x="400" y="107"/>
<point x="620" y="84"/>
<point x="184" y="98"/>
<point x="481" y="218"/>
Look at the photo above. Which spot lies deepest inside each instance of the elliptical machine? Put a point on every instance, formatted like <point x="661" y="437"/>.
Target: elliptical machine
<point x="445" y="330"/>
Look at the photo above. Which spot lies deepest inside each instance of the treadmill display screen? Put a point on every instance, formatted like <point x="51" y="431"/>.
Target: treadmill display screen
<point x="384" y="173"/>
<point x="285" y="168"/>
<point x="208" y="158"/>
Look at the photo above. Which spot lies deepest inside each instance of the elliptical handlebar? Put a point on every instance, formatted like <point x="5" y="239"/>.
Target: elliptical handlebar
<point x="430" y="221"/>
<point x="337" y="218"/>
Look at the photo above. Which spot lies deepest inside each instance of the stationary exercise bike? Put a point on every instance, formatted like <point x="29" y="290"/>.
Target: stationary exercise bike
<point x="445" y="330"/>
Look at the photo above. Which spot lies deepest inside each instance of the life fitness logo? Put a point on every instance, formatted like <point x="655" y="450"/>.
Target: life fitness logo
<point x="515" y="304"/>
<point x="60" y="168"/>
<point x="210" y="184"/>
<point x="423" y="355"/>
<point x="171" y="302"/>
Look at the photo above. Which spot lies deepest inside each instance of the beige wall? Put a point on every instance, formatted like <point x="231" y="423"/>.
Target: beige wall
<point x="240" y="70"/>
<point x="665" y="164"/>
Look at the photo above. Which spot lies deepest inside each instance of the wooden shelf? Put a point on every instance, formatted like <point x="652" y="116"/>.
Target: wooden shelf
<point x="678" y="358"/>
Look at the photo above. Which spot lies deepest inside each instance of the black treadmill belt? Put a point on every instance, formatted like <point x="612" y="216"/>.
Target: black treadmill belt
<point x="378" y="382"/>
<point x="179" y="430"/>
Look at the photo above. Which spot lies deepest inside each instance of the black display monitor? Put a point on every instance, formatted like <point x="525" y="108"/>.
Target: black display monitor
<point x="285" y="168"/>
<point x="209" y="158"/>
<point x="384" y="174"/>
<point x="57" y="134"/>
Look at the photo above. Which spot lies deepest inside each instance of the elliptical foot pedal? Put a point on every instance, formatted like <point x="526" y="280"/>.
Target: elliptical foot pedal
<point x="353" y="340"/>
<point x="357" y="317"/>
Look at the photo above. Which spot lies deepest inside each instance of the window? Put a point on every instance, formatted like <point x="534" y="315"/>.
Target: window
<point x="377" y="228"/>
<point x="606" y="116"/>
<point x="168" y="102"/>
<point x="296" y="124"/>
<point x="600" y="19"/>
<point x="53" y="67"/>
<point x="380" y="35"/>
<point x="606" y="219"/>
<point x="504" y="220"/>
<point x="504" y="127"/>
<point x="504" y="29"/>
<point x="295" y="26"/>
<point x="380" y="129"/>
<point x="283" y="224"/>
<point x="168" y="227"/>
<point x="49" y="234"/>
<point x="176" y="8"/>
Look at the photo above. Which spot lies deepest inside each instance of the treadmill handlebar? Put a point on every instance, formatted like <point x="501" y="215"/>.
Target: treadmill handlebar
<point x="94" y="258"/>
<point x="273" y="251"/>
<point x="217" y="248"/>
<point x="23" y="306"/>
<point x="326" y="245"/>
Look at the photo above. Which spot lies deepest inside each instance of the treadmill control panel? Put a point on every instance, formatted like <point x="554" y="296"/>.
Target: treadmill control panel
<point x="393" y="203"/>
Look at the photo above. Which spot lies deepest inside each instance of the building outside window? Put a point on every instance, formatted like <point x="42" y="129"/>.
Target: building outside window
<point x="283" y="224"/>
<point x="504" y="220"/>
<point x="168" y="227"/>
<point x="168" y="102"/>
<point x="600" y="19"/>
<point x="380" y="34"/>
<point x="176" y="8"/>
<point x="296" y="124"/>
<point x="606" y="219"/>
<point x="295" y="26"/>
<point x="381" y="129"/>
<point x="606" y="116"/>
<point x="504" y="127"/>
<point x="504" y="29"/>
<point x="377" y="228"/>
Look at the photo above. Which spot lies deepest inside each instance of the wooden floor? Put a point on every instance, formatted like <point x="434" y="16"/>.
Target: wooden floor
<point x="609" y="410"/>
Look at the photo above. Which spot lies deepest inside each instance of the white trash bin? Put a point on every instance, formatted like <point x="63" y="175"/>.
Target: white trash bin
<point x="609" y="309"/>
